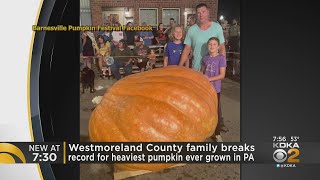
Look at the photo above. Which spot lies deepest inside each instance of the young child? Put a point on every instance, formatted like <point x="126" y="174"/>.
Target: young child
<point x="214" y="67"/>
<point x="173" y="49"/>
<point x="103" y="51"/>
<point x="106" y="63"/>
<point x="161" y="37"/>
<point x="151" y="64"/>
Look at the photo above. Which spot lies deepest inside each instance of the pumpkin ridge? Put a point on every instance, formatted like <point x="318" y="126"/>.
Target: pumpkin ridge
<point x="183" y="72"/>
<point x="149" y="80"/>
<point x="125" y="109"/>
<point x="178" y="111"/>
<point x="205" y="90"/>
<point x="153" y="77"/>
<point x="152" y="100"/>
<point x="185" y="85"/>
<point x="159" y="100"/>
<point x="194" y="95"/>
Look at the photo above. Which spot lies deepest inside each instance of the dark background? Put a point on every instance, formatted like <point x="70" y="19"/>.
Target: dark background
<point x="279" y="80"/>
<point x="229" y="9"/>
<point x="279" y="86"/>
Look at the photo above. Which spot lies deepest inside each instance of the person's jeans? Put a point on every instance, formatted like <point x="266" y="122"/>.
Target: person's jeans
<point x="117" y="65"/>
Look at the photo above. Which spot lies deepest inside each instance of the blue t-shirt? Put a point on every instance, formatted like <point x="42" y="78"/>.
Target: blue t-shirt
<point x="143" y="34"/>
<point x="197" y="39"/>
<point x="173" y="52"/>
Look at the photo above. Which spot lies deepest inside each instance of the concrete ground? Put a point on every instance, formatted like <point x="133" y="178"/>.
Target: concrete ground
<point x="230" y="99"/>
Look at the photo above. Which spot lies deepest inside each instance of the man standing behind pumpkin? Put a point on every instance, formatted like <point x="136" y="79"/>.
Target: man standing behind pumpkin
<point x="197" y="38"/>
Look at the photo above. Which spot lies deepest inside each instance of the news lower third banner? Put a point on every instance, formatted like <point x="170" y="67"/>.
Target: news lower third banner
<point x="279" y="153"/>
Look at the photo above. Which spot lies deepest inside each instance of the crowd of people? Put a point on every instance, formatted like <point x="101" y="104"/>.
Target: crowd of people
<point x="231" y="34"/>
<point x="201" y="46"/>
<point x="114" y="46"/>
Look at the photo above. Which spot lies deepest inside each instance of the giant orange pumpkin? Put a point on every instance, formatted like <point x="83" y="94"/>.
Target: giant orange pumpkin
<point x="172" y="104"/>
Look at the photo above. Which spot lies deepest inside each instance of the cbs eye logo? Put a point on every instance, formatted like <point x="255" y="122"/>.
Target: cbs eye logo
<point x="9" y="153"/>
<point x="281" y="155"/>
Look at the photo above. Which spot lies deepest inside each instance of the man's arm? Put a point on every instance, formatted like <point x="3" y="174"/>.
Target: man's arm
<point x="220" y="36"/>
<point x="165" y="31"/>
<point x="185" y="55"/>
<point x="222" y="50"/>
<point x="151" y="36"/>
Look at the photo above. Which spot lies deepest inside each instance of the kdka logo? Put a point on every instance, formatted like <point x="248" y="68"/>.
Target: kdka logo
<point x="10" y="154"/>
